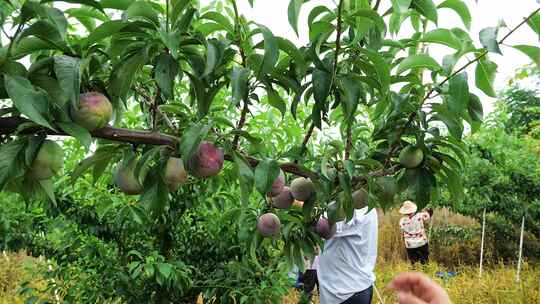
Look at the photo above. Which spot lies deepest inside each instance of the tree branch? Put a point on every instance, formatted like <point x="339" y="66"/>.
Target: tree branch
<point x="376" y="7"/>
<point x="338" y="39"/>
<point x="11" y="125"/>
<point x="303" y="149"/>
<point x="245" y="108"/>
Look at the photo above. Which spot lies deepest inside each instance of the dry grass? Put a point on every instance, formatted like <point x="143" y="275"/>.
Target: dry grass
<point x="497" y="284"/>
<point x="16" y="268"/>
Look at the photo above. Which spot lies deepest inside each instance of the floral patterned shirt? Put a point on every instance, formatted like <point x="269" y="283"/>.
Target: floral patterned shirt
<point x="413" y="229"/>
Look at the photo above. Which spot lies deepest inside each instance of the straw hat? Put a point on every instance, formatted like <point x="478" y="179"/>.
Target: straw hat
<point x="408" y="207"/>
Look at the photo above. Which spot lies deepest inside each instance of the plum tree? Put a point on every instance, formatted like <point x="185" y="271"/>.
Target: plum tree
<point x="324" y="228"/>
<point x="175" y="174"/>
<point x="284" y="199"/>
<point x="302" y="188"/>
<point x="125" y="178"/>
<point x="268" y="224"/>
<point x="277" y="185"/>
<point x="48" y="162"/>
<point x="94" y="111"/>
<point x="176" y="73"/>
<point x="411" y="157"/>
<point x="207" y="161"/>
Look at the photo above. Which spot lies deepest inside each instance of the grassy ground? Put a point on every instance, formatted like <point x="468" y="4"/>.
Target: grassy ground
<point x="497" y="285"/>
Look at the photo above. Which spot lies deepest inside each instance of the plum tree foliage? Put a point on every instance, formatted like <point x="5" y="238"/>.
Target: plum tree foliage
<point x="208" y="86"/>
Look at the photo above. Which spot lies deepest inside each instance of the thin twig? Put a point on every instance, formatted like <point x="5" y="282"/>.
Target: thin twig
<point x="338" y="39"/>
<point x="245" y="108"/>
<point x="308" y="135"/>
<point x="149" y="101"/>
<point x="13" y="39"/>
<point x="376" y="7"/>
<point x="240" y="124"/>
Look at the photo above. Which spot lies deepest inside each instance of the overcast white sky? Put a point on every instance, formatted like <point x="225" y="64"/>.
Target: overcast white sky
<point x="273" y="14"/>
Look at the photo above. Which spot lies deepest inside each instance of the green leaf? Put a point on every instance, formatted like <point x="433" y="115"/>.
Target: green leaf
<point x="177" y="7"/>
<point x="351" y="89"/>
<point x="322" y="81"/>
<point x="165" y="73"/>
<point x="48" y="187"/>
<point x="143" y="9"/>
<point x="488" y="39"/>
<point x="418" y="61"/>
<point x="444" y="37"/>
<point x="293" y="12"/>
<point x="116" y="4"/>
<point x="534" y="23"/>
<point x="320" y="30"/>
<point x="27" y="100"/>
<point x="452" y="122"/>
<point x="401" y="6"/>
<point x="214" y="53"/>
<point x="266" y="173"/>
<point x="29" y="45"/>
<point x="275" y="100"/>
<point x="459" y="93"/>
<point x="461" y="9"/>
<point x="86" y="12"/>
<point x="46" y="31"/>
<point x="293" y="52"/>
<point x="220" y="19"/>
<point x="475" y="108"/>
<point x="426" y="8"/>
<point x="156" y="194"/>
<point x="382" y="69"/>
<point x="123" y="74"/>
<point x="271" y="51"/>
<point x="239" y="83"/>
<point x="80" y="133"/>
<point x="245" y="176"/>
<point x="90" y="3"/>
<point x="105" y="30"/>
<point x="189" y="143"/>
<point x="10" y="168"/>
<point x="485" y="75"/>
<point x="67" y="70"/>
<point x="373" y="16"/>
<point x="532" y="51"/>
<point x="56" y="17"/>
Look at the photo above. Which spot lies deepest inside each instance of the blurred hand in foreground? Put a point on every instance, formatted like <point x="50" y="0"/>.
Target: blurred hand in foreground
<point x="417" y="288"/>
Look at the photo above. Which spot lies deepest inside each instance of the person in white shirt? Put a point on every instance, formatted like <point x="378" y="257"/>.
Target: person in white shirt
<point x="414" y="233"/>
<point x="347" y="262"/>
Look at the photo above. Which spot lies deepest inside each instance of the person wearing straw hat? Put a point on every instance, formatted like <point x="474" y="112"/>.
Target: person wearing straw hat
<point x="414" y="233"/>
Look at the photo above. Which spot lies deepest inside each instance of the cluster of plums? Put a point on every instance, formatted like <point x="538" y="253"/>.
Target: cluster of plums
<point x="94" y="111"/>
<point x="302" y="189"/>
